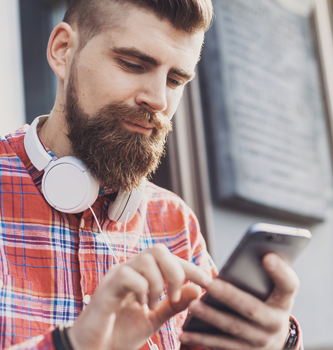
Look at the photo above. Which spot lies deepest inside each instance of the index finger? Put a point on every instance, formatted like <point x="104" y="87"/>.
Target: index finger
<point x="195" y="274"/>
<point x="171" y="265"/>
<point x="285" y="280"/>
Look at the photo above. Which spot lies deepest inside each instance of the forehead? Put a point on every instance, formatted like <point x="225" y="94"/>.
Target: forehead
<point x="143" y="30"/>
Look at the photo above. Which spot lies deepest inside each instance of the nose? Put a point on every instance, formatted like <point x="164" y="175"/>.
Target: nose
<point x="153" y="95"/>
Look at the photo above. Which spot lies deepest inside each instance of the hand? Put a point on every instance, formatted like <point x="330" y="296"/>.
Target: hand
<point x="124" y="311"/>
<point x="266" y="324"/>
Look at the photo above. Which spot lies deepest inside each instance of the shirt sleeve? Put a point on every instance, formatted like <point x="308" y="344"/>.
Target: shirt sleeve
<point x="41" y="342"/>
<point x="199" y="253"/>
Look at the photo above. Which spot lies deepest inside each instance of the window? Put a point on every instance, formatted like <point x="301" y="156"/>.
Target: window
<point x="38" y="17"/>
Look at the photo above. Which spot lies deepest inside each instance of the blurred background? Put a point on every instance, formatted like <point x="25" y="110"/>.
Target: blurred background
<point x="252" y="137"/>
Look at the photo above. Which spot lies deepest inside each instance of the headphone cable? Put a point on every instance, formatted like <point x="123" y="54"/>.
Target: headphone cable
<point x="150" y="343"/>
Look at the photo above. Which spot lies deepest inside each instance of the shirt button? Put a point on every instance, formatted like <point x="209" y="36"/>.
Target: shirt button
<point x="1" y="284"/>
<point x="87" y="299"/>
<point x="82" y="223"/>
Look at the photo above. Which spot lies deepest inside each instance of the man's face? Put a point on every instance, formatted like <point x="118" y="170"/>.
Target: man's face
<point x="122" y="91"/>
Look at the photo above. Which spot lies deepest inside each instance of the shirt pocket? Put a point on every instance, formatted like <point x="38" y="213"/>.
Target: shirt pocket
<point x="21" y="313"/>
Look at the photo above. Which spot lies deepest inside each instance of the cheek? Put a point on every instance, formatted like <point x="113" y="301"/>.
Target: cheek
<point x="99" y="87"/>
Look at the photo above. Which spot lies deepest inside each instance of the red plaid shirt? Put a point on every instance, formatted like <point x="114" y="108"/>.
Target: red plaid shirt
<point x="51" y="260"/>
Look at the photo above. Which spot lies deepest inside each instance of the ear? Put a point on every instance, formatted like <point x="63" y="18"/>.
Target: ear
<point x="61" y="46"/>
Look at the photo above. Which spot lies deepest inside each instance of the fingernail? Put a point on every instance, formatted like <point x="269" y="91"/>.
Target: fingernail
<point x="194" y="305"/>
<point x="184" y="338"/>
<point x="176" y="296"/>
<point x="207" y="280"/>
<point x="216" y="287"/>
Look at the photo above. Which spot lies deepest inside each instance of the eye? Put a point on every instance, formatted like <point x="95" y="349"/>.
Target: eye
<point x="131" y="66"/>
<point x="175" y="83"/>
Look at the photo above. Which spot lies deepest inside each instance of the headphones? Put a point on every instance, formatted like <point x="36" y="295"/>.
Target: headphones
<point x="69" y="186"/>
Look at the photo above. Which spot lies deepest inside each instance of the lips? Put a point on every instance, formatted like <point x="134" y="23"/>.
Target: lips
<point x="143" y="125"/>
<point x="140" y="127"/>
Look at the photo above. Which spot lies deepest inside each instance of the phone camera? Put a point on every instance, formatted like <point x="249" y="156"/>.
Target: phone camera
<point x="269" y="237"/>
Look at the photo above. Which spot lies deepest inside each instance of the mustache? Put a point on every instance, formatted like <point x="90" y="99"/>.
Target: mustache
<point x="110" y="116"/>
<point x="123" y="112"/>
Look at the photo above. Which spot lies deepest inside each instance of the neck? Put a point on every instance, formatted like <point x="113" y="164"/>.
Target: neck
<point x="53" y="133"/>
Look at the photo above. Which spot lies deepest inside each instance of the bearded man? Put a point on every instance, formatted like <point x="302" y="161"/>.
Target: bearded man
<point x="122" y="67"/>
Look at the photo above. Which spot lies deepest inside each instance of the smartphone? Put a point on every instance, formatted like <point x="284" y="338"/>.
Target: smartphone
<point x="244" y="267"/>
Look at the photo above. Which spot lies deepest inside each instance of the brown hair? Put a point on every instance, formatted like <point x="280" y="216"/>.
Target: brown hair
<point x="92" y="16"/>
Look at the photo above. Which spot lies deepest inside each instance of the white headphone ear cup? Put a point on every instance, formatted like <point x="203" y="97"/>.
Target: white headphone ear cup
<point x="126" y="204"/>
<point x="68" y="186"/>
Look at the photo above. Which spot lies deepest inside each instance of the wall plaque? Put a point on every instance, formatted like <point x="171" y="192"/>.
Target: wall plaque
<point x="265" y="112"/>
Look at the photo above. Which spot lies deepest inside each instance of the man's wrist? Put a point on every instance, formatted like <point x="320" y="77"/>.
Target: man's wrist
<point x="60" y="338"/>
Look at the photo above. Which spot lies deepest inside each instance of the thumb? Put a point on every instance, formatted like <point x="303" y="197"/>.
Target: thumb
<point x="167" y="309"/>
<point x="285" y="280"/>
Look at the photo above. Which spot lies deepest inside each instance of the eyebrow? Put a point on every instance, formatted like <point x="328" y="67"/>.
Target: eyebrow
<point x="183" y="74"/>
<point x="133" y="52"/>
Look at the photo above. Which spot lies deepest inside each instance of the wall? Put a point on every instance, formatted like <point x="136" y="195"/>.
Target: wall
<point x="314" y="303"/>
<point x="11" y="83"/>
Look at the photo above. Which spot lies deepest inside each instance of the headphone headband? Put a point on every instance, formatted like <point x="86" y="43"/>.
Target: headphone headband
<point x="35" y="150"/>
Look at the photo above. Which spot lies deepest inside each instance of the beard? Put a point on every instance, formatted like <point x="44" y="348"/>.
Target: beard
<point x="117" y="157"/>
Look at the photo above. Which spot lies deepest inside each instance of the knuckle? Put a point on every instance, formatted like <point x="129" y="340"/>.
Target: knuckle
<point x="294" y="283"/>
<point x="297" y="284"/>
<point x="124" y="272"/>
<point x="276" y="325"/>
<point x="263" y="341"/>
<point x="291" y="303"/>
<point x="235" y="329"/>
<point x="144" y="286"/>
<point x="160" y="248"/>
<point x="180" y="276"/>
<point x="146" y="259"/>
<point x="278" y="298"/>
<point x="157" y="288"/>
<point x="220" y="290"/>
<point x="252" y="311"/>
<point x="125" y="276"/>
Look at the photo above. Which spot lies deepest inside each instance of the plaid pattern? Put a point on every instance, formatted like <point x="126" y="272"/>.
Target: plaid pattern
<point x="50" y="260"/>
